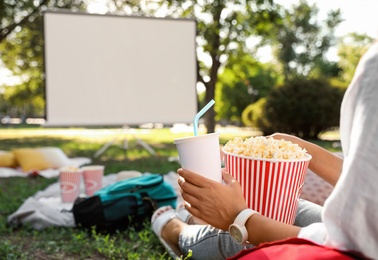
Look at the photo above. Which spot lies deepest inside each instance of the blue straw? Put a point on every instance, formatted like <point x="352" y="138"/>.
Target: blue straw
<point x="199" y="114"/>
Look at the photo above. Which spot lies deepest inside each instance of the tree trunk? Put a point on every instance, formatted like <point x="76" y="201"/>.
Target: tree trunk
<point x="210" y="94"/>
<point x="215" y="55"/>
<point x="210" y="114"/>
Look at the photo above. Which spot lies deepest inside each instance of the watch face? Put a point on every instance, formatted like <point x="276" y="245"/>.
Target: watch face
<point x="236" y="234"/>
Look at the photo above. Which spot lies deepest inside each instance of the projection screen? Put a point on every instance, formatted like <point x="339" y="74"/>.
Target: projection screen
<point x="118" y="70"/>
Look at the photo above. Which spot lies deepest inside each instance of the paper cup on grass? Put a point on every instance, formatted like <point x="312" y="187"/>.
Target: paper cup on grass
<point x="270" y="186"/>
<point x="201" y="154"/>
<point x="69" y="181"/>
<point x="93" y="175"/>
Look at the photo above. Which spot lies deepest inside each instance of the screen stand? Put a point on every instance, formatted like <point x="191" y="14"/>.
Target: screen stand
<point x="124" y="132"/>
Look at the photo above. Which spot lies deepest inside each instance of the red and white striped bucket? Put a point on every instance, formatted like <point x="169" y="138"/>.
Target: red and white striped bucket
<point x="270" y="186"/>
<point x="93" y="175"/>
<point x="69" y="181"/>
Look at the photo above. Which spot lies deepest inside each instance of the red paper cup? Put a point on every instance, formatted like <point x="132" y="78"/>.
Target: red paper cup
<point x="93" y="175"/>
<point x="270" y="186"/>
<point x="69" y="180"/>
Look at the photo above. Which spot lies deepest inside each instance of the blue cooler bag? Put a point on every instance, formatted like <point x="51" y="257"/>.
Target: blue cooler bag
<point x="125" y="203"/>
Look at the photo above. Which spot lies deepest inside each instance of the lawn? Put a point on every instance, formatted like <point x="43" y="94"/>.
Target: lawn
<point x="68" y="243"/>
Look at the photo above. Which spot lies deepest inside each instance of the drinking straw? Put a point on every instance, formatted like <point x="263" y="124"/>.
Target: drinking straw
<point x="199" y="114"/>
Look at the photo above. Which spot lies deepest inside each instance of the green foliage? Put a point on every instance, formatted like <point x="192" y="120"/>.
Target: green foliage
<point x="350" y="50"/>
<point x="325" y="69"/>
<point x="12" y="251"/>
<point x="26" y="98"/>
<point x="243" y="81"/>
<point x="304" y="107"/>
<point x="127" y="245"/>
<point x="14" y="15"/>
<point x="21" y="50"/>
<point x="254" y="113"/>
<point x="300" y="41"/>
<point x="3" y="107"/>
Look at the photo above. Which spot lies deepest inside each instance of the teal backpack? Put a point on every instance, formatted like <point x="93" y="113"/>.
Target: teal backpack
<point x="125" y="203"/>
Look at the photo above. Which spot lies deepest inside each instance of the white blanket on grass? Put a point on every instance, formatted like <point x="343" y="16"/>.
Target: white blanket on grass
<point x="45" y="208"/>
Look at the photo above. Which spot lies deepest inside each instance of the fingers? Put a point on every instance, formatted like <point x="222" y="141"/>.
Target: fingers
<point x="190" y="194"/>
<point x="227" y="178"/>
<point x="188" y="189"/>
<point x="206" y="198"/>
<point x="192" y="210"/>
<point x="193" y="178"/>
<point x="185" y="187"/>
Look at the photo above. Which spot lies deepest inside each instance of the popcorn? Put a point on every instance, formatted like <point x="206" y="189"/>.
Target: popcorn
<point x="263" y="147"/>
<point x="69" y="168"/>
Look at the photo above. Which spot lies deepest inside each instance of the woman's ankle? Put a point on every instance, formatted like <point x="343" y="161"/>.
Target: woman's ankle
<point x="171" y="234"/>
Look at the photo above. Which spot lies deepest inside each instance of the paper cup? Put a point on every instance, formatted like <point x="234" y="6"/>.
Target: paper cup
<point x="270" y="186"/>
<point x="201" y="154"/>
<point x="93" y="175"/>
<point x="69" y="181"/>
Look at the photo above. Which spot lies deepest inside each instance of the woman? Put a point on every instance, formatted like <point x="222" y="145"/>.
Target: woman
<point x="349" y="215"/>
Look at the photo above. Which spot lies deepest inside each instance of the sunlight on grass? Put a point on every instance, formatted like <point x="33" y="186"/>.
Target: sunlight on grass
<point x="164" y="135"/>
<point x="330" y="135"/>
<point x="98" y="135"/>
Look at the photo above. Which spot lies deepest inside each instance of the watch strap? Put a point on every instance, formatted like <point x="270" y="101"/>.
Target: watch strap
<point x="239" y="222"/>
<point x="243" y="216"/>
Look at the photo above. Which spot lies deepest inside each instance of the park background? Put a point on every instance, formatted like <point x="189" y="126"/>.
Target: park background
<point x="269" y="65"/>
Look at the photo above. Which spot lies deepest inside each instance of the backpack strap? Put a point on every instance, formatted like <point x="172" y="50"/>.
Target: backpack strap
<point x="149" y="204"/>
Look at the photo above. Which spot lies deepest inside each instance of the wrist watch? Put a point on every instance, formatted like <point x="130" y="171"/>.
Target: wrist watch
<point x="238" y="230"/>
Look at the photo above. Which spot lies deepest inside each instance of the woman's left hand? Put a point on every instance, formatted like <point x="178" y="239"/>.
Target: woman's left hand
<point x="215" y="203"/>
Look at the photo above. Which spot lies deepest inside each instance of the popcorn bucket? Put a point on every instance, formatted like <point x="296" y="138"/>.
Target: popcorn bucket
<point x="69" y="180"/>
<point x="93" y="175"/>
<point x="270" y="186"/>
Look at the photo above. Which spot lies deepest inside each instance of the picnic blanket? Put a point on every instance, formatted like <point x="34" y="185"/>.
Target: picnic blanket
<point x="45" y="208"/>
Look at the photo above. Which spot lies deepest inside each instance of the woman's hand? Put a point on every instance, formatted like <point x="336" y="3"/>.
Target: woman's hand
<point x="215" y="203"/>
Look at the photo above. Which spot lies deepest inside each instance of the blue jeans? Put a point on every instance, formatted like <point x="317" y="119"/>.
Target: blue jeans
<point x="207" y="242"/>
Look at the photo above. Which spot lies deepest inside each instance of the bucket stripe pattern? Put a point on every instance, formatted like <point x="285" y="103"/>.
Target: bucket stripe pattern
<point x="270" y="187"/>
<point x="93" y="180"/>
<point x="70" y="185"/>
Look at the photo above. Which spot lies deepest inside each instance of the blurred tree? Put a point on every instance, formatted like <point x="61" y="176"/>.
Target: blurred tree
<point x="325" y="69"/>
<point x="17" y="13"/>
<point x="242" y="82"/>
<point x="22" y="53"/>
<point x="301" y="42"/>
<point x="299" y="107"/>
<point x="253" y="115"/>
<point x="2" y="104"/>
<point x="21" y="50"/>
<point x="14" y="15"/>
<point x="222" y="28"/>
<point x="350" y="49"/>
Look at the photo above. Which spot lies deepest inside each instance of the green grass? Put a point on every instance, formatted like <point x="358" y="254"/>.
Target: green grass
<point x="71" y="243"/>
